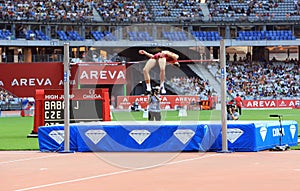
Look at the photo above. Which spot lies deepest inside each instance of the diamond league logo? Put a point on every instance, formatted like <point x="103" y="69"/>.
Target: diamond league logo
<point x="263" y="132"/>
<point x="57" y="135"/>
<point x="293" y="130"/>
<point x="95" y="135"/>
<point x="139" y="135"/>
<point x="233" y="134"/>
<point x="184" y="135"/>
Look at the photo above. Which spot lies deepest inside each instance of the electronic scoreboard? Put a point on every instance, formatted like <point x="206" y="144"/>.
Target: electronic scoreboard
<point x="80" y="111"/>
<point x="86" y="105"/>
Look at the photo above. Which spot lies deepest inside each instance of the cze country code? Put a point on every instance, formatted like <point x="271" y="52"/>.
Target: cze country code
<point x="54" y="109"/>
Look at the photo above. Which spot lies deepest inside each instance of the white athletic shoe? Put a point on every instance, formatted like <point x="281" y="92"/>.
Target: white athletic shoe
<point x="163" y="91"/>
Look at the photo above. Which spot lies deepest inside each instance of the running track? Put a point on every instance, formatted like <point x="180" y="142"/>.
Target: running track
<point x="239" y="171"/>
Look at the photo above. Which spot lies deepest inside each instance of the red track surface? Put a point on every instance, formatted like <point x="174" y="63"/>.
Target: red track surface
<point x="243" y="171"/>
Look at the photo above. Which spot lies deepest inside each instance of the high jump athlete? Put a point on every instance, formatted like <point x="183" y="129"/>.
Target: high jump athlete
<point x="162" y="58"/>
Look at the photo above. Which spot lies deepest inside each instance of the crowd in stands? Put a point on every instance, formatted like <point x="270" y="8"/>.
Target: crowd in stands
<point x="8" y="101"/>
<point x="5" y="96"/>
<point x="54" y="10"/>
<point x="141" y="10"/>
<point x="5" y="99"/>
<point x="182" y="8"/>
<point x="192" y="86"/>
<point x="264" y="80"/>
<point x="123" y="11"/>
<point x="251" y="80"/>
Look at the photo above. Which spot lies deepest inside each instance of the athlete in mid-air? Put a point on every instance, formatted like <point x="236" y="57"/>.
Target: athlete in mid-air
<point x="162" y="58"/>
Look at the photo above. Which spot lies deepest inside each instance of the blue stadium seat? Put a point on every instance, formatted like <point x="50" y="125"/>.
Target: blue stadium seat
<point x="97" y="35"/>
<point x="206" y="35"/>
<point x="108" y="36"/>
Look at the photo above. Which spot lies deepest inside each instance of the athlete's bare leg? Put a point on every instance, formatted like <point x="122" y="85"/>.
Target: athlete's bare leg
<point x="148" y="66"/>
<point x="162" y="67"/>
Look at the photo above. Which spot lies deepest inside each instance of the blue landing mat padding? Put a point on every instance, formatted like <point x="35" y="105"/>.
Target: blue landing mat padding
<point x="144" y="136"/>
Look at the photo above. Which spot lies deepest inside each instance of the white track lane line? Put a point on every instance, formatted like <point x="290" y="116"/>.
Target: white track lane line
<point x="116" y="173"/>
<point x="17" y="152"/>
<point x="32" y="158"/>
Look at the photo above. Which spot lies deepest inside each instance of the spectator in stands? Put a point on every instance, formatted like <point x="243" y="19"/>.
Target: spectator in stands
<point x="235" y="57"/>
<point x="162" y="58"/>
<point x="20" y="56"/>
<point x="227" y="57"/>
<point x="4" y="58"/>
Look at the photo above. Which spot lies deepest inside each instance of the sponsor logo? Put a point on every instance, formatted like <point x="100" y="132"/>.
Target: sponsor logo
<point x="31" y="82"/>
<point x="233" y="134"/>
<point x="141" y="99"/>
<point x="57" y="135"/>
<point x="71" y="82"/>
<point x="95" y="135"/>
<point x="139" y="135"/>
<point x="184" y="99"/>
<point x="91" y="95"/>
<point x="261" y="103"/>
<point x="101" y="75"/>
<point x="125" y="100"/>
<point x="276" y="132"/>
<point x="184" y="135"/>
<point x="263" y="133"/>
<point x="164" y="99"/>
<point x="293" y="130"/>
<point x="282" y="104"/>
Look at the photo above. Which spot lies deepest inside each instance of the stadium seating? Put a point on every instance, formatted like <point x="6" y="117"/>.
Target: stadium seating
<point x="175" y="36"/>
<point x="169" y="11"/>
<point x="138" y="11"/>
<point x="70" y="35"/>
<point x="206" y="35"/>
<point x="107" y="36"/>
<point x="150" y="10"/>
<point x="266" y="35"/>
<point x="122" y="11"/>
<point x="5" y="34"/>
<point x="139" y="36"/>
<point x="254" y="11"/>
<point x="74" y="35"/>
<point x="41" y="36"/>
<point x="36" y="35"/>
<point x="97" y="35"/>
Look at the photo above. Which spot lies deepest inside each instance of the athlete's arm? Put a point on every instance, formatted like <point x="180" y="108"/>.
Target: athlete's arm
<point x="146" y="53"/>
